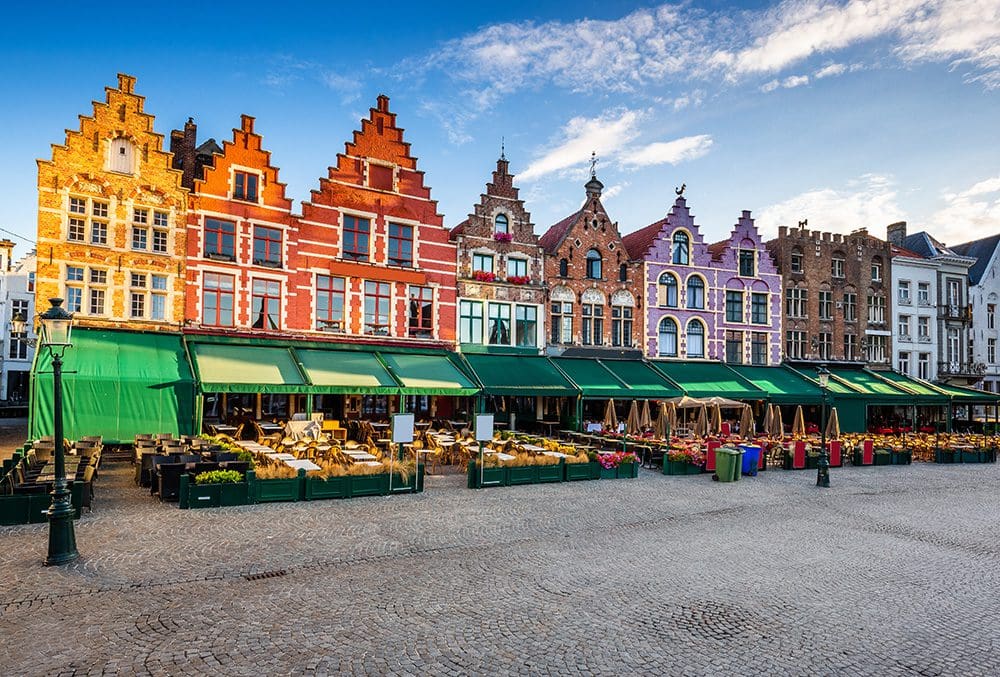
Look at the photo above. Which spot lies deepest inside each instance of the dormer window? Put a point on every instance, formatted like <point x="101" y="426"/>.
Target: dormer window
<point x="680" y="252"/>
<point x="500" y="224"/>
<point x="245" y="186"/>
<point x="121" y="156"/>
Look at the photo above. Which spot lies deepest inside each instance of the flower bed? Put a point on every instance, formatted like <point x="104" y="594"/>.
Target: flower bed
<point x="626" y="466"/>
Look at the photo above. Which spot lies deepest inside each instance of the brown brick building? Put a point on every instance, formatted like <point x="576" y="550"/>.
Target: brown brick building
<point x="592" y="309"/>
<point x="501" y="276"/>
<point x="836" y="295"/>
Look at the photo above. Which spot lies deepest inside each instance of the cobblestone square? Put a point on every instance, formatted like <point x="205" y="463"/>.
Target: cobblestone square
<point x="890" y="572"/>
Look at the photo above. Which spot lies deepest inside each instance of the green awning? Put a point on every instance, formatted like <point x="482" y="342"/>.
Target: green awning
<point x="234" y="368"/>
<point x="644" y="382"/>
<point x="921" y="392"/>
<point x="869" y="384"/>
<point x="116" y="384"/>
<point x="834" y="387"/>
<point x="428" y="374"/>
<point x="592" y="378"/>
<point x="520" y="375"/>
<point x="706" y="379"/>
<point x="346" y="372"/>
<point x="961" y="395"/>
<point x="782" y="386"/>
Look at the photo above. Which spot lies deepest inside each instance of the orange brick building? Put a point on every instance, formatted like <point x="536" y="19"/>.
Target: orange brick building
<point x="111" y="220"/>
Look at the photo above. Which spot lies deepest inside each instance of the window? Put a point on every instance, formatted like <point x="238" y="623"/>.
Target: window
<point x="876" y="269"/>
<point x="140" y="238"/>
<point x="18" y="346"/>
<point x="876" y="349"/>
<point x="470" y="322"/>
<point x="99" y="232"/>
<point x="904" y="292"/>
<point x="498" y="324"/>
<point x="824" y="345"/>
<point x="563" y="268"/>
<point x="245" y="186"/>
<point x="758" y="308"/>
<point x="356" y="232"/>
<point x="796" y="261"/>
<point x="158" y="299"/>
<point x="266" y="303"/>
<point x="377" y="308"/>
<point x="562" y="322"/>
<point x="593" y="324"/>
<point x="795" y="345"/>
<point x="526" y="326"/>
<point x="121" y="156"/>
<point x="594" y="264"/>
<point x="144" y="232"/>
<point x="400" y="245"/>
<point x="695" y="292"/>
<point x="668" y="338"/>
<point x="31" y="281"/>
<point x="734" y="306"/>
<point x="850" y="307"/>
<point x="137" y="282"/>
<point x="98" y="295"/>
<point x="796" y="304"/>
<point x="991" y="315"/>
<point x="74" y="292"/>
<point x="266" y="246"/>
<point x="667" y="290"/>
<point x="758" y="349"/>
<point x="904" y="327"/>
<point x="421" y="324"/>
<point x="679" y="252"/>
<point x="330" y="303"/>
<point x="952" y="347"/>
<point x="991" y="350"/>
<point x="876" y="309"/>
<point x="826" y="305"/>
<point x="734" y="347"/>
<point x="904" y="362"/>
<point x="954" y="296"/>
<point x="160" y="231"/>
<point x="517" y="267"/>
<point x="220" y="239"/>
<point x="621" y="326"/>
<point x="924" y="293"/>
<point x="76" y="230"/>
<point x="623" y="273"/>
<point x="695" y="339"/>
<point x="500" y="224"/>
<point x="837" y="267"/>
<point x="924" y="366"/>
<point x="748" y="266"/>
<point x="850" y="347"/>
<point x="924" y="328"/>
<point x="482" y="263"/>
<point x="20" y="307"/>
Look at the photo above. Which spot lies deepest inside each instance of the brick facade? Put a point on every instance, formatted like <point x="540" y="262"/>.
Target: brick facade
<point x="591" y="307"/>
<point x="111" y="220"/>
<point x="500" y="305"/>
<point x="836" y="290"/>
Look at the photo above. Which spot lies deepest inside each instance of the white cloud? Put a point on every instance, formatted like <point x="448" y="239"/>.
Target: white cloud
<point x="770" y="85"/>
<point x="867" y="202"/>
<point x="970" y="214"/>
<point x="966" y="32"/>
<point x="790" y="82"/>
<point x="668" y="152"/>
<point x="613" y="192"/>
<point x="830" y="71"/>
<point x="604" y="135"/>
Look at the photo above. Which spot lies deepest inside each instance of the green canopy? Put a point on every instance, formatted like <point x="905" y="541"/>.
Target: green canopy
<point x="920" y="392"/>
<point x="782" y="385"/>
<point x="428" y="374"/>
<point x="237" y="368"/>
<point x="347" y="372"/>
<point x="705" y="379"/>
<point x="644" y="381"/>
<point x="593" y="378"/>
<point x="116" y="384"/>
<point x="867" y="383"/>
<point x="520" y="375"/>
<point x="961" y="395"/>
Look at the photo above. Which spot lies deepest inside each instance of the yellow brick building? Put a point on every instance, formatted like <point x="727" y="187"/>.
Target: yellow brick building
<point x="111" y="220"/>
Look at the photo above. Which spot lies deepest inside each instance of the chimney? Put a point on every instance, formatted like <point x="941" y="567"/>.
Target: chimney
<point x="383" y="103"/>
<point x="895" y="233"/>
<point x="126" y="83"/>
<point x="183" y="145"/>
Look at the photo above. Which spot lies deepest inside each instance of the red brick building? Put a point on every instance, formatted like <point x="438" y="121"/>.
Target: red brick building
<point x="590" y="277"/>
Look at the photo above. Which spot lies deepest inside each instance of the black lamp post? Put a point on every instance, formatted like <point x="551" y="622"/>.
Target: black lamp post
<point x="56" y="327"/>
<point x="823" y="466"/>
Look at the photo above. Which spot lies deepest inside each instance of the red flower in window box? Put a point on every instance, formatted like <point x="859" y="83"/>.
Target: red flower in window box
<point x="483" y="276"/>
<point x="519" y="279"/>
<point x="503" y="237"/>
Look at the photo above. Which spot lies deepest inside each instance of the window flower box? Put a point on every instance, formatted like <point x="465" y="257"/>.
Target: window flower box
<point x="503" y="238"/>
<point x="518" y="279"/>
<point x="483" y="276"/>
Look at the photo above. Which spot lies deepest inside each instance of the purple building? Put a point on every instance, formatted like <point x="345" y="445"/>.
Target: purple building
<point x="713" y="302"/>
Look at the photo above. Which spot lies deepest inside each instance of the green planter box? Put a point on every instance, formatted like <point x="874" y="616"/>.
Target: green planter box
<point x="680" y="468"/>
<point x="234" y="493"/>
<point x="579" y="471"/>
<point x="522" y="475"/>
<point x="991" y="455"/>
<point x="857" y="458"/>
<point x="318" y="488"/>
<point x="609" y="473"/>
<point x="14" y="509"/>
<point x="202" y="495"/>
<point x="883" y="458"/>
<point x="267" y="491"/>
<point x="944" y="456"/>
<point x="812" y="462"/>
<point x="628" y="471"/>
<point x="973" y="457"/>
<point x="492" y="477"/>
<point x="414" y="483"/>
<point x="369" y="485"/>
<point x="550" y="473"/>
<point x="902" y="457"/>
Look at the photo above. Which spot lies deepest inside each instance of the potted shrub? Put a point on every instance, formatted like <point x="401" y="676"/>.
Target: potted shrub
<point x="883" y="457"/>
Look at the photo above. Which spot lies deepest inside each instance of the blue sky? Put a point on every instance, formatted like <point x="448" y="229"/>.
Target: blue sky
<point x="845" y="113"/>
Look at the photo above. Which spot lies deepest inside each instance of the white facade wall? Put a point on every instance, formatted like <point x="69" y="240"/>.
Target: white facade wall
<point x="17" y="292"/>
<point x="912" y="345"/>
<point x="983" y="295"/>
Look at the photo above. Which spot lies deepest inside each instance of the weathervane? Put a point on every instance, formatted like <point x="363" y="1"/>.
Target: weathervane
<point x="593" y="164"/>
<point x="803" y="223"/>
<point x="680" y="191"/>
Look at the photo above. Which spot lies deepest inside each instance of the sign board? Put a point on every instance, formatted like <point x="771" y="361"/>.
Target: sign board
<point x="402" y="428"/>
<point x="484" y="427"/>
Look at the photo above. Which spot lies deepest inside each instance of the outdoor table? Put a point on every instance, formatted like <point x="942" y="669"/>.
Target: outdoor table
<point x="270" y="428"/>
<point x="379" y="426"/>
<point x="284" y="457"/>
<point x="549" y="425"/>
<point x="505" y="457"/>
<point x="362" y="457"/>
<point x="371" y="463"/>
<point x="557" y="454"/>
<point x="532" y="447"/>
<point x="422" y="425"/>
<point x="459" y="424"/>
<point x="303" y="463"/>
<point x="223" y="429"/>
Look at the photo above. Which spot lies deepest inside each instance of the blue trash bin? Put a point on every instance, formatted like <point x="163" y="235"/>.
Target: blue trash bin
<point x="751" y="459"/>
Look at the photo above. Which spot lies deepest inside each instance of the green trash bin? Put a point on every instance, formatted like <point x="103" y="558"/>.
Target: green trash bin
<point x="728" y="464"/>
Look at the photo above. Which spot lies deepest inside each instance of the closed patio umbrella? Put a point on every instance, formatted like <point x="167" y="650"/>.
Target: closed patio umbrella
<point x="672" y="416"/>
<point x="746" y="422"/>
<point x="799" y="423"/>
<point x="660" y="425"/>
<point x="833" y="425"/>
<point x="701" y="425"/>
<point x="778" y="422"/>
<point x="632" y="422"/>
<point x="715" y="423"/>
<point x="645" y="420"/>
<point x="610" y="418"/>
<point x="768" y="424"/>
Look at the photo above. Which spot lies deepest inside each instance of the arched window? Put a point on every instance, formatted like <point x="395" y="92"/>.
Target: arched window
<point x="500" y="223"/>
<point x="667" y="291"/>
<point x="563" y="268"/>
<point x="680" y="253"/>
<point x="121" y="156"/>
<point x="623" y="273"/>
<point x="695" y="292"/>
<point x="668" y="338"/>
<point x="695" y="339"/>
<point x="594" y="264"/>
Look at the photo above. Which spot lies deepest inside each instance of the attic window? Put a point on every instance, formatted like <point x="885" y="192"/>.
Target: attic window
<point x="121" y="156"/>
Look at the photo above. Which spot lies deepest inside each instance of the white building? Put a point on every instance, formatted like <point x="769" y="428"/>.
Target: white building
<point x="914" y="314"/>
<point x="17" y="296"/>
<point x="984" y="294"/>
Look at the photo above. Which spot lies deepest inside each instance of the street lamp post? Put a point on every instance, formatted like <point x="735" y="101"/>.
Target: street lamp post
<point x="56" y="327"/>
<point x="823" y="466"/>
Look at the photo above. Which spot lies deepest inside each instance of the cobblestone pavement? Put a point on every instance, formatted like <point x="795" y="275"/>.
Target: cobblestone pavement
<point x="893" y="571"/>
